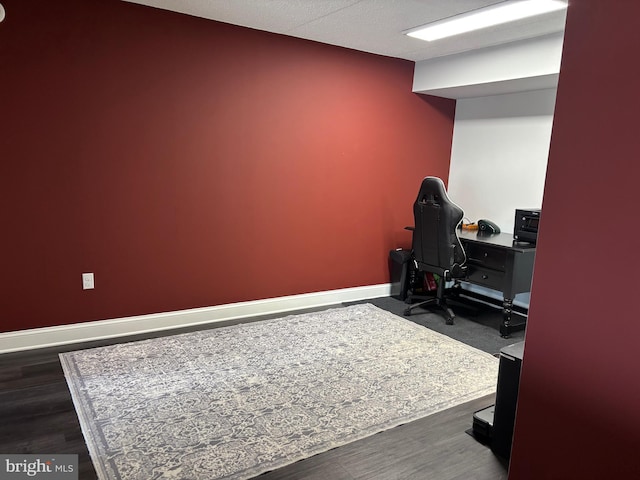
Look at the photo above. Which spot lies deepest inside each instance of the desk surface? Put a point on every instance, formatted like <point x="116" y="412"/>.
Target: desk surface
<point x="503" y="240"/>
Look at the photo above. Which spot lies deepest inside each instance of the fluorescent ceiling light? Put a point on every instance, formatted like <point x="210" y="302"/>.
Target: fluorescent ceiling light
<point x="486" y="17"/>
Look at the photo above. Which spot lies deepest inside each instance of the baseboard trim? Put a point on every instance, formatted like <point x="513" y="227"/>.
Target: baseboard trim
<point x="119" y="327"/>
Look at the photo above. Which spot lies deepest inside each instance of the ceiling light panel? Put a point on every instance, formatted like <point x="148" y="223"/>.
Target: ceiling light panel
<point x="486" y="17"/>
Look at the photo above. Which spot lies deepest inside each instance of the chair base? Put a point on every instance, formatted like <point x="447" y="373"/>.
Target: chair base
<point x="438" y="302"/>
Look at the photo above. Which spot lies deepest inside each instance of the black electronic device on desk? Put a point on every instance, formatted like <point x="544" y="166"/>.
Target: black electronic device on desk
<point x="526" y="225"/>
<point x="487" y="227"/>
<point x="483" y="227"/>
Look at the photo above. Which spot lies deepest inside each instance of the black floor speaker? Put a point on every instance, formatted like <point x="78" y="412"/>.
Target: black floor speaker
<point x="506" y="399"/>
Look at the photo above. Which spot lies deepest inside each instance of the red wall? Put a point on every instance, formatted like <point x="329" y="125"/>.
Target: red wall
<point x="579" y="404"/>
<point x="190" y="163"/>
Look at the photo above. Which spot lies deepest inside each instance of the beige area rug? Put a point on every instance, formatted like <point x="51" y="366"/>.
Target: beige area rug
<point x="234" y="402"/>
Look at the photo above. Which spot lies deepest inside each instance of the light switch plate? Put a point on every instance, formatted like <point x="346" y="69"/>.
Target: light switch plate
<point x="87" y="281"/>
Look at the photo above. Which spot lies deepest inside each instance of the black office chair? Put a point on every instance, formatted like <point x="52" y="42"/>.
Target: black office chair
<point x="436" y="246"/>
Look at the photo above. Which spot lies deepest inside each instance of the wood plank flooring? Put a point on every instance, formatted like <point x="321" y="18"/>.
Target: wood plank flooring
<point x="36" y="411"/>
<point x="37" y="416"/>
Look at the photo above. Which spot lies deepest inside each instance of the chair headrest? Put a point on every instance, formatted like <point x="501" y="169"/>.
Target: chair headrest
<point x="432" y="191"/>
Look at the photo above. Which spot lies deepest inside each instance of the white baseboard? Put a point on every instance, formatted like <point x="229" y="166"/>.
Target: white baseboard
<point x="118" y="327"/>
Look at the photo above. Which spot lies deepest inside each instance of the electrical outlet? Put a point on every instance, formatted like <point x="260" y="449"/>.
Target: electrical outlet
<point x="87" y="281"/>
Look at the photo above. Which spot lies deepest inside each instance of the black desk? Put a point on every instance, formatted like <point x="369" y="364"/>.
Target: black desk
<point x="496" y="262"/>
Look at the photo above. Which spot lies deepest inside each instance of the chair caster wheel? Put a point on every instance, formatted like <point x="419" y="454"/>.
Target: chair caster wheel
<point x="407" y="312"/>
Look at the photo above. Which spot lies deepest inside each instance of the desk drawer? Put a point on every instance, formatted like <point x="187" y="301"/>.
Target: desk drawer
<point x="486" y="277"/>
<point x="484" y="256"/>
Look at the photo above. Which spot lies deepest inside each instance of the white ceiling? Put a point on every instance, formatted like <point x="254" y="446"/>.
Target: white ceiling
<point x="374" y="26"/>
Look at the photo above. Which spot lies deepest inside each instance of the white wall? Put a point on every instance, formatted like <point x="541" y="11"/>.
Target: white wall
<point x="499" y="154"/>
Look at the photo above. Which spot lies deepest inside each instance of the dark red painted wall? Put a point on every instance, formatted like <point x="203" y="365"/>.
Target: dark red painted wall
<point x="190" y="163"/>
<point x="578" y="413"/>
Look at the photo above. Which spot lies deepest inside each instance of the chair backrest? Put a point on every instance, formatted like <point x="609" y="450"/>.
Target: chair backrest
<point x="436" y="245"/>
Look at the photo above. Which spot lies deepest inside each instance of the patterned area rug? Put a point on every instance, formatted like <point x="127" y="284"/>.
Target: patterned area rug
<point x="234" y="402"/>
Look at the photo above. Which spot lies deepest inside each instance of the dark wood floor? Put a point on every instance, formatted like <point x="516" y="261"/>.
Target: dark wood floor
<point x="37" y="416"/>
